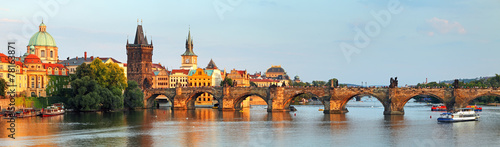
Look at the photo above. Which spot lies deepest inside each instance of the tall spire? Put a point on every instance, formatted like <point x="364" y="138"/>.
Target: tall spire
<point x="189" y="45"/>
<point x="139" y="36"/>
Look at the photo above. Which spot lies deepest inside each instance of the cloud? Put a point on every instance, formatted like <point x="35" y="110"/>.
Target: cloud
<point x="4" y="9"/>
<point x="9" y="20"/>
<point x="443" y="26"/>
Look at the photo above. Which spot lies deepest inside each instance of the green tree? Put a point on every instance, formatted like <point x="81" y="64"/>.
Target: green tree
<point x="84" y="70"/>
<point x="253" y="84"/>
<point x="3" y="87"/>
<point x="133" y="95"/>
<point x="318" y="83"/>
<point x="334" y="80"/>
<point x="100" y="70"/>
<point x="227" y="80"/>
<point x="115" y="76"/>
<point x="87" y="96"/>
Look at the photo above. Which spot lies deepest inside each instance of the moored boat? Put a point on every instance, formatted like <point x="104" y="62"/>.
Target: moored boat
<point x="55" y="109"/>
<point x="443" y="108"/>
<point x="26" y="112"/>
<point x="438" y="108"/>
<point x="465" y="114"/>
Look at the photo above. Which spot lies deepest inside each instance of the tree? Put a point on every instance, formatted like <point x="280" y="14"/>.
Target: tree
<point x="227" y="80"/>
<point x="84" y="70"/>
<point x="252" y="84"/>
<point x="87" y="96"/>
<point x="3" y="86"/>
<point x="133" y="95"/>
<point x="115" y="76"/>
<point x="335" y="82"/>
<point x="100" y="70"/>
<point x="318" y="83"/>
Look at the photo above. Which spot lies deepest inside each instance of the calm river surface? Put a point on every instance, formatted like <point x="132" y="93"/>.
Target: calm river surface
<point x="364" y="125"/>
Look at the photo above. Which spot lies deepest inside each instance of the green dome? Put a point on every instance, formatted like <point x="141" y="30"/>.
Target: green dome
<point x="42" y="38"/>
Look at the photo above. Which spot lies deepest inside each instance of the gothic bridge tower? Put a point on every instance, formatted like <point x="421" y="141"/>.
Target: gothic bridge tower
<point x="139" y="60"/>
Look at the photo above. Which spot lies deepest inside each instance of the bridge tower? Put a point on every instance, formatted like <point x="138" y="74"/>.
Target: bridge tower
<point x="139" y="60"/>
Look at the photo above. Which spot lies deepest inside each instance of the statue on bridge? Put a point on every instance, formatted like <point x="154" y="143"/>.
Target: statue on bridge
<point x="394" y="83"/>
<point x="456" y="84"/>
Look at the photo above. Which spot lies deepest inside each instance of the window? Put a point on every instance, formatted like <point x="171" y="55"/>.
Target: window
<point x="1" y="67"/>
<point x="42" y="53"/>
<point x="52" y="54"/>
<point x="32" y="84"/>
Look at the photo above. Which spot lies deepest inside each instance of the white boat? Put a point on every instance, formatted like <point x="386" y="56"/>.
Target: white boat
<point x="465" y="114"/>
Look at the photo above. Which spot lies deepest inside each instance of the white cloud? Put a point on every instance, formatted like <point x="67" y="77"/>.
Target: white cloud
<point x="444" y="26"/>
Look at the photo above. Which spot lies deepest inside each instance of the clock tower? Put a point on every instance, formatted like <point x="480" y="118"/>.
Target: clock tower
<point x="189" y="59"/>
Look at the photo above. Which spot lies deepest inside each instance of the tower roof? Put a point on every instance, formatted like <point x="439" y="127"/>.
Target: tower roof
<point x="139" y="36"/>
<point x="211" y="65"/>
<point x="189" y="45"/>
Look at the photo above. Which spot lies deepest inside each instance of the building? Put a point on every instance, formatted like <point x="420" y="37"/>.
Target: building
<point x="199" y="78"/>
<point x="43" y="45"/>
<point x="213" y="71"/>
<point x="296" y="79"/>
<point x="189" y="59"/>
<point x="139" y="60"/>
<point x="240" y="78"/>
<point x="178" y="78"/>
<point x="73" y="63"/>
<point x="160" y="77"/>
<point x="276" y="72"/>
<point x="35" y="68"/>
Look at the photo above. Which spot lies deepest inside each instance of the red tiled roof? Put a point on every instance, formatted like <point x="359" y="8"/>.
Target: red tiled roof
<point x="114" y="60"/>
<point x="184" y="71"/>
<point x="32" y="59"/>
<point x="157" y="66"/>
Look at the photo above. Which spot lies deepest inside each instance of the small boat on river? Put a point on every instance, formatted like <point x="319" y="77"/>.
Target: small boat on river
<point x="465" y="114"/>
<point x="55" y="109"/>
<point x="26" y="112"/>
<point x="443" y="108"/>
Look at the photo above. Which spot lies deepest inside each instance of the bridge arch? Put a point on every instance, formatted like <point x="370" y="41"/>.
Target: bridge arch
<point x="406" y="99"/>
<point x="239" y="100"/>
<point x="469" y="100"/>
<point x="362" y="94"/>
<point x="288" y="100"/>
<point x="190" y="102"/>
<point x="150" y="100"/>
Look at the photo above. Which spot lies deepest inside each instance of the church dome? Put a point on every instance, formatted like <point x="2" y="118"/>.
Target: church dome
<point x="42" y="38"/>
<point x="32" y="59"/>
<point x="275" y="69"/>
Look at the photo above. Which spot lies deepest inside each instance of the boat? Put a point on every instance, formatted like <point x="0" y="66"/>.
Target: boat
<point x="26" y="112"/>
<point x="438" y="108"/>
<point x="292" y="108"/>
<point x="476" y="108"/>
<point x="55" y="109"/>
<point x="216" y="106"/>
<point x="464" y="114"/>
<point x="443" y="108"/>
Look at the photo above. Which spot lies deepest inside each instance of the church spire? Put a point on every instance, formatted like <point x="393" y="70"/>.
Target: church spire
<point x="189" y="45"/>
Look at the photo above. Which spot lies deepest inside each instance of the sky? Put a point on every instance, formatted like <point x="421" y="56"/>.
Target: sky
<point x="354" y="41"/>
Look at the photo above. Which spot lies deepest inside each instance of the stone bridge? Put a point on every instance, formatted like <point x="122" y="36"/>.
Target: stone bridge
<point x="333" y="99"/>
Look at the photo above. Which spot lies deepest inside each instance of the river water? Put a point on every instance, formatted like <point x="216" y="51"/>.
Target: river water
<point x="364" y="125"/>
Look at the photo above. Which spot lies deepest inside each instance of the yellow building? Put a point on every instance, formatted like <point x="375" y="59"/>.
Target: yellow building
<point x="199" y="78"/>
<point x="240" y="78"/>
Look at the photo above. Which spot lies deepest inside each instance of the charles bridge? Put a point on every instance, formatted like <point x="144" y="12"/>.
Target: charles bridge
<point x="334" y="99"/>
